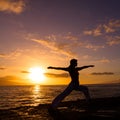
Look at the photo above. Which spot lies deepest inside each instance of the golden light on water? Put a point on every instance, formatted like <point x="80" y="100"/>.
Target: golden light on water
<point x="36" y="89"/>
<point x="36" y="75"/>
<point x="36" y="95"/>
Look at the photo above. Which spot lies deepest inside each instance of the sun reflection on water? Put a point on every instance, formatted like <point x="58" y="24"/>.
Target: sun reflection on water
<point x="36" y="94"/>
<point x="36" y="89"/>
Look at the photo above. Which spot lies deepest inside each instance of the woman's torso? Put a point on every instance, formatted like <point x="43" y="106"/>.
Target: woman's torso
<point x="74" y="74"/>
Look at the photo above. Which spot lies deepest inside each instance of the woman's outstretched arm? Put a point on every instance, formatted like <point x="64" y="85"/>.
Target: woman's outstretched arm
<point x="57" y="68"/>
<point x="83" y="67"/>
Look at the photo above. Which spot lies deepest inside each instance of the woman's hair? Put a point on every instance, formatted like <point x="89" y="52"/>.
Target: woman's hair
<point x="72" y="61"/>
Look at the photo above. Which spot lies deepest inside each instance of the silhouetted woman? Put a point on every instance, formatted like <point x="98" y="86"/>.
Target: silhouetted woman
<point x="73" y="85"/>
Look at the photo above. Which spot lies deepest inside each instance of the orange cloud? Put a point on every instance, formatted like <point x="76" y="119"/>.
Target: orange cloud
<point x="2" y="68"/>
<point x="8" y="80"/>
<point x="102" y="73"/>
<point x="110" y="27"/>
<point x="11" y="55"/>
<point x="71" y="37"/>
<point x="13" y="80"/>
<point x="113" y="40"/>
<point x="23" y="71"/>
<point x="12" y="6"/>
<point x="63" y="44"/>
<point x="95" y="32"/>
<point x="94" y="47"/>
<point x="2" y="55"/>
<point x="62" y="48"/>
<point x="104" y="60"/>
<point x="57" y="75"/>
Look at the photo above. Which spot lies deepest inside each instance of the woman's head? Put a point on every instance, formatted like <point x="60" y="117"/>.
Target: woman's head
<point x="73" y="62"/>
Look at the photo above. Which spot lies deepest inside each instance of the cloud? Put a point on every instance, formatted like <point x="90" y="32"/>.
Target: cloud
<point x="102" y="73"/>
<point x="25" y="71"/>
<point x="95" y="32"/>
<point x="71" y="37"/>
<point x="13" y="80"/>
<point x="62" y="48"/>
<point x="12" y="6"/>
<point x="93" y="47"/>
<point x="113" y="40"/>
<point x="64" y="75"/>
<point x="104" y="60"/>
<point x="2" y="68"/>
<point x="8" y="80"/>
<point x="110" y="27"/>
<point x="63" y="44"/>
<point x="2" y="55"/>
<point x="86" y="57"/>
<point x="11" y="55"/>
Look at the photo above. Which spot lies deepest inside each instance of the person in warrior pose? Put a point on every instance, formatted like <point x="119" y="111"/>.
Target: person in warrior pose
<point x="73" y="85"/>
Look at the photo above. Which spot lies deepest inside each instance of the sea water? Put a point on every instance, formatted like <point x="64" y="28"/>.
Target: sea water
<point x="17" y="96"/>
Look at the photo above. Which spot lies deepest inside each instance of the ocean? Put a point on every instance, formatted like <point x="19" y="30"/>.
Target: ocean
<point x="17" y="96"/>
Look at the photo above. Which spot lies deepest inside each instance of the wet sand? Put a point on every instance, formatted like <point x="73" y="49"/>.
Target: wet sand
<point x="99" y="109"/>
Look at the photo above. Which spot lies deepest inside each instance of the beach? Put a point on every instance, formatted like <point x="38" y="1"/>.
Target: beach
<point x="98" y="109"/>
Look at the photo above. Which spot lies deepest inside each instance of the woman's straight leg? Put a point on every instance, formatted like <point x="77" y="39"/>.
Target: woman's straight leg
<point x="62" y="95"/>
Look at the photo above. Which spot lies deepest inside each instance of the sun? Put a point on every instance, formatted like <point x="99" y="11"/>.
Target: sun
<point x="36" y="75"/>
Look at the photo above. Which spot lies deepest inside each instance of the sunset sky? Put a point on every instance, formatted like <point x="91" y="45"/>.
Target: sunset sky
<point x="42" y="33"/>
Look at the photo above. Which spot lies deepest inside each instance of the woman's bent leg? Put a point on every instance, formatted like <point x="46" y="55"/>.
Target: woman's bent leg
<point x="85" y="90"/>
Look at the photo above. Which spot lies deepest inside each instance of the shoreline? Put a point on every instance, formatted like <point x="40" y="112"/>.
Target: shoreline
<point x="100" y="109"/>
